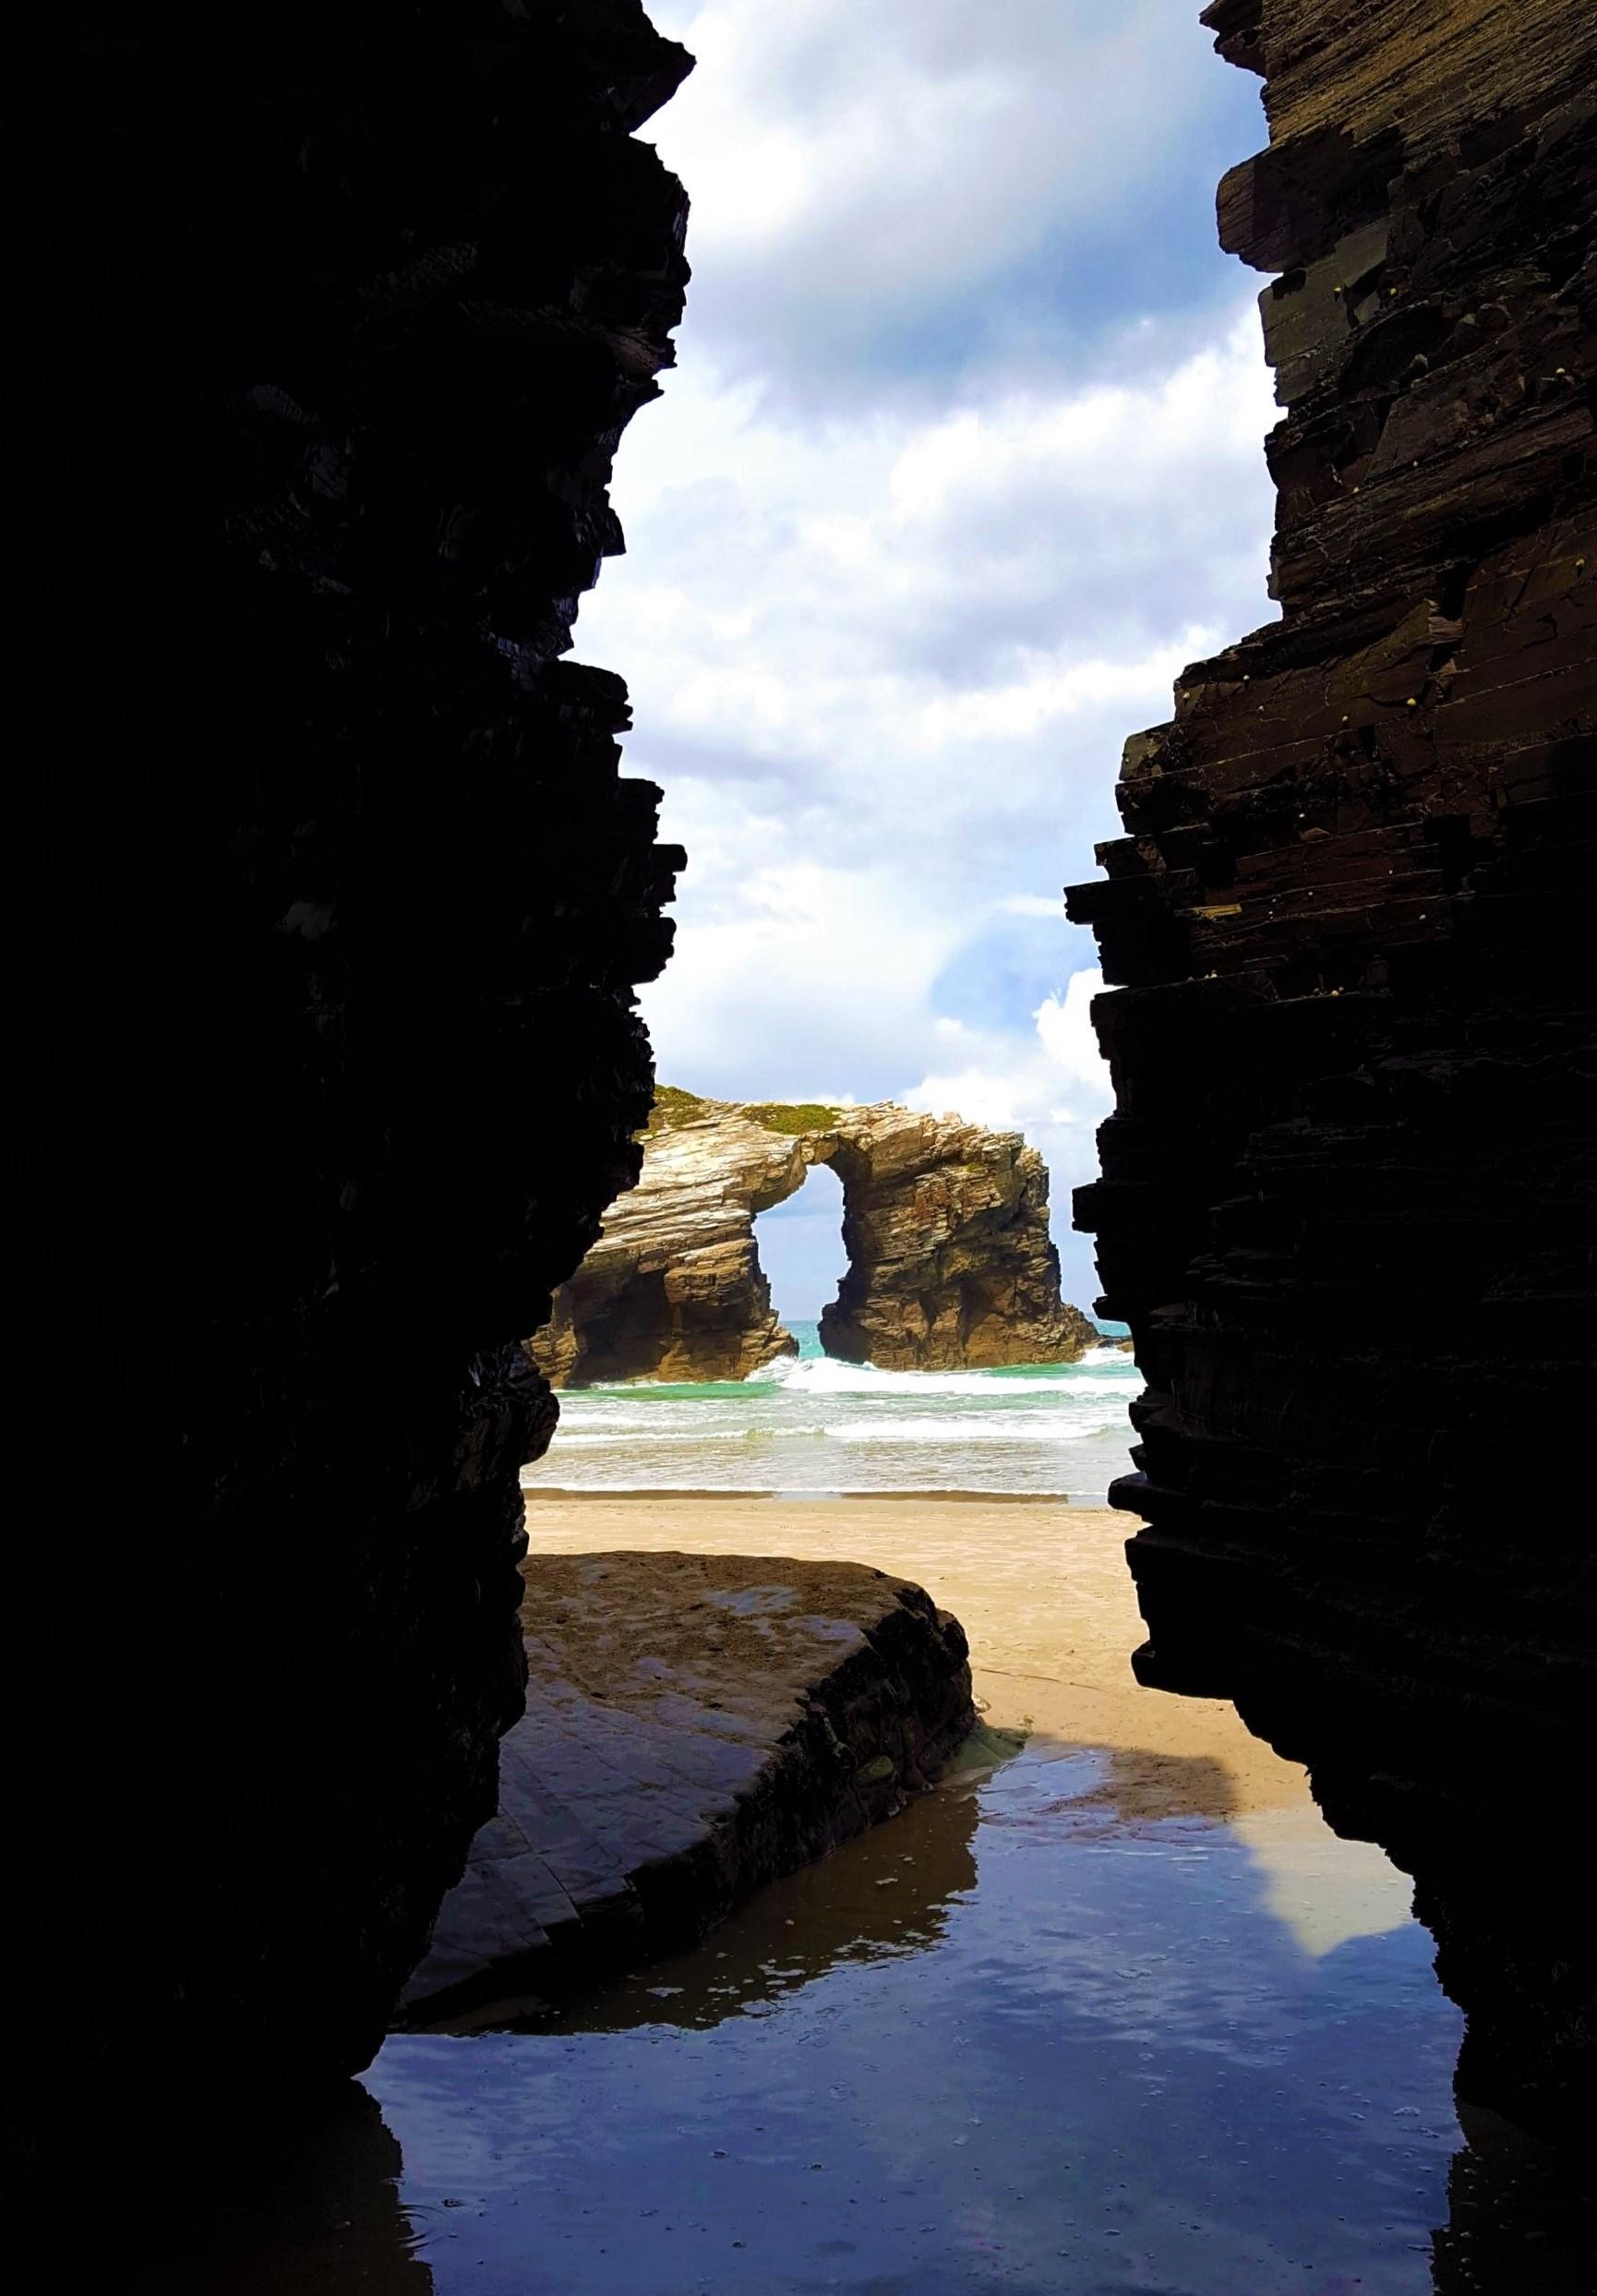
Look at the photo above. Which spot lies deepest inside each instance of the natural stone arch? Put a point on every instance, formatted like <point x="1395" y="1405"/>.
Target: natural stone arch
<point x="945" y="1225"/>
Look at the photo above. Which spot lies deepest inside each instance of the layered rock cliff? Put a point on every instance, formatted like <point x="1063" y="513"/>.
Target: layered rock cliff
<point x="945" y="1226"/>
<point x="1348" y="1202"/>
<point x="324" y="329"/>
<point x="950" y="1260"/>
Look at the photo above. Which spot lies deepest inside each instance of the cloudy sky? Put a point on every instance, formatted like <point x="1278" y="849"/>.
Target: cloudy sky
<point x="960" y="464"/>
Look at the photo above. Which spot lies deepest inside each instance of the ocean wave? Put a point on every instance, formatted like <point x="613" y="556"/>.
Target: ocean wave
<point x="827" y="1375"/>
<point x="598" y="1422"/>
<point x="815" y="1426"/>
<point x="909" y="1430"/>
<point x="596" y="1438"/>
<point x="662" y="1487"/>
<point x="972" y="1427"/>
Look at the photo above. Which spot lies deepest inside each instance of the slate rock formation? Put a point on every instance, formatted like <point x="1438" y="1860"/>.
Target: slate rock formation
<point x="945" y="1226"/>
<point x="324" y="329"/>
<point x="1348" y="1202"/>
<point x="696" y="1726"/>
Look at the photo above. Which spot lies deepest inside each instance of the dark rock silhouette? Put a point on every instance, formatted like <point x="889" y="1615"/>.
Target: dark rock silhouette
<point x="324" y="325"/>
<point x="945" y="1226"/>
<point x="319" y="2214"/>
<point x="1349" y="1203"/>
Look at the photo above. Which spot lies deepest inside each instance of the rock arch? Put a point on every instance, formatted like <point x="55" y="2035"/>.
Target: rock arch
<point x="944" y="1223"/>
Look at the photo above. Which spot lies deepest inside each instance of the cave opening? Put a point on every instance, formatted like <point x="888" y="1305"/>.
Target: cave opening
<point x="802" y="1255"/>
<point x="412" y="870"/>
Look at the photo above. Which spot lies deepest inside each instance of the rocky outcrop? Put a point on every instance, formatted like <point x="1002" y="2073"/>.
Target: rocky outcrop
<point x="950" y="1260"/>
<point x="945" y="1226"/>
<point x="1354" y="1041"/>
<point x="696" y="1726"/>
<point x="673" y="1288"/>
<point x="323" y="327"/>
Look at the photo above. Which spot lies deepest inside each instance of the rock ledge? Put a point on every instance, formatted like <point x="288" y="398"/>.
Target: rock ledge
<point x="696" y="1725"/>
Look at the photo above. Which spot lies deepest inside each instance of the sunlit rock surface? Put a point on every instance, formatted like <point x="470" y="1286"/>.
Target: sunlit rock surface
<point x="329" y="906"/>
<point x="945" y="1226"/>
<point x="696" y="1725"/>
<point x="1348" y="1202"/>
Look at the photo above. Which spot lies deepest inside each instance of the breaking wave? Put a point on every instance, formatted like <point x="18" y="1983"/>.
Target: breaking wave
<point x="825" y="1374"/>
<point x="809" y="1425"/>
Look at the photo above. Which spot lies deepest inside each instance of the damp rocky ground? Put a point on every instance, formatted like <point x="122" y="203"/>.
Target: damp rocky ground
<point x="1115" y="2015"/>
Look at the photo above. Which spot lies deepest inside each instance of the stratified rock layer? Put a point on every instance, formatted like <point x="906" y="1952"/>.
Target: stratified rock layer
<point x="945" y="1226"/>
<point x="696" y="1726"/>
<point x="949" y="1260"/>
<point x="326" y="323"/>
<point x="1349" y="1196"/>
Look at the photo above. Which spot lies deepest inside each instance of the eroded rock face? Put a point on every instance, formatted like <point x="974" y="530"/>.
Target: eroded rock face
<point x="950" y="1261"/>
<point x="696" y="1726"/>
<point x="673" y="1288"/>
<point x="1349" y="1192"/>
<point x="331" y="909"/>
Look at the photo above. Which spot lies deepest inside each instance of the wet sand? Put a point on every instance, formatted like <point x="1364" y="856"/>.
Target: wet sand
<point x="1118" y="2015"/>
<point x="1041" y="1588"/>
<point x="1044" y="1593"/>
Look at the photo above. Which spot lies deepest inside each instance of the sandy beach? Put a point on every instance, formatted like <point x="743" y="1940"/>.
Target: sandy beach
<point x="1045" y="1596"/>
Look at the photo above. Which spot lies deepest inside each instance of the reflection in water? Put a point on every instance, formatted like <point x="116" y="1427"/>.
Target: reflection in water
<point x="1043" y="2033"/>
<point x="1518" y="2223"/>
<point x="887" y="1897"/>
<point x="1102" y="2063"/>
<point x="322" y="2218"/>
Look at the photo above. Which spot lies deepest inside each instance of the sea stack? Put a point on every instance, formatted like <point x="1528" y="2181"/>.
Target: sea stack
<point x="945" y="1225"/>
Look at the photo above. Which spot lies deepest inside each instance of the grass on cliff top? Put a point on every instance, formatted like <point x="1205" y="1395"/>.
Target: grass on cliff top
<point x="791" y="1116"/>
<point x="673" y="1107"/>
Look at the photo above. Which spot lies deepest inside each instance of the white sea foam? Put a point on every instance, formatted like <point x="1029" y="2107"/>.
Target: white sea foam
<point x="813" y="1424"/>
<point x="825" y="1374"/>
<point x="911" y="1428"/>
<point x="598" y="1439"/>
<point x="969" y="1428"/>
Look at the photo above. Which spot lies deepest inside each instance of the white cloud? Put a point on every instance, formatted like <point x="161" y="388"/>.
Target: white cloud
<point x="884" y="673"/>
<point x="1028" y="905"/>
<point x="907" y="561"/>
<point x="891" y="617"/>
<point x="857" y="172"/>
<point x="1054" y="1086"/>
<point x="796" y="980"/>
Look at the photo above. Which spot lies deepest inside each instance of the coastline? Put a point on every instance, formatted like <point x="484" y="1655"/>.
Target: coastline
<point x="1043" y="1593"/>
<point x="1047" y="1601"/>
<point x="587" y="1494"/>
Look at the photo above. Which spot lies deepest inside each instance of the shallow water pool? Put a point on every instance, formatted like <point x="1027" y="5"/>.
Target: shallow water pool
<point x="1042" y="2032"/>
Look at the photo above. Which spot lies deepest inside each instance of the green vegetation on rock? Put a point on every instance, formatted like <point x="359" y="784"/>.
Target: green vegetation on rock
<point x="791" y="1116"/>
<point x="672" y="1108"/>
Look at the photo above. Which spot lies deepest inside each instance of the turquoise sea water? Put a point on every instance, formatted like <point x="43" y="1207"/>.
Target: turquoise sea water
<point x="811" y="1426"/>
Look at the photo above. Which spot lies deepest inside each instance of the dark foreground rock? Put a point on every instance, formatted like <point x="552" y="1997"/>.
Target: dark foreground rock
<point x="696" y="1725"/>
<point x="1355" y="1040"/>
<point x="951" y="1264"/>
<point x="323" y="324"/>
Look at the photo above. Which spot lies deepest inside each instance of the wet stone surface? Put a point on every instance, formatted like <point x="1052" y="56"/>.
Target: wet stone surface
<point x="1034" y="2041"/>
<point x="1049" y="2030"/>
<point x="695" y="1726"/>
